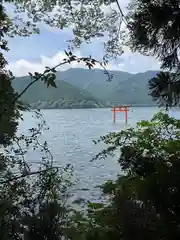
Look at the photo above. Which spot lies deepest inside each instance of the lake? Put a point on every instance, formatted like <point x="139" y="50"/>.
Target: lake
<point x="70" y="141"/>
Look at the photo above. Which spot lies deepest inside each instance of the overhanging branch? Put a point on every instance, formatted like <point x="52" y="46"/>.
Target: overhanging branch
<point x="27" y="174"/>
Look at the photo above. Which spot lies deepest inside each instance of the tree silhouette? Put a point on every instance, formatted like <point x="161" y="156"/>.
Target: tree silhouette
<point x="154" y="29"/>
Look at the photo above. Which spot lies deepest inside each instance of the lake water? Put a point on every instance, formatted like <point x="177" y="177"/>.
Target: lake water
<point x="70" y="141"/>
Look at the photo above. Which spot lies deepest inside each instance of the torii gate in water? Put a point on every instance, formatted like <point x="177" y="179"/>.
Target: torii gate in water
<point x="124" y="109"/>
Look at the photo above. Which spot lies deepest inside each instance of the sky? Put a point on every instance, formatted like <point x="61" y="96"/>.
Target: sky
<point x="33" y="53"/>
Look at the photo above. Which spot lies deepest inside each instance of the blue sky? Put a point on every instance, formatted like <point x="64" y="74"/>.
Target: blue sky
<point x="47" y="43"/>
<point x="37" y="51"/>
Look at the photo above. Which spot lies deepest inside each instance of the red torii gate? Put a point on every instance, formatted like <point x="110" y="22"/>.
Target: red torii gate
<point x="124" y="109"/>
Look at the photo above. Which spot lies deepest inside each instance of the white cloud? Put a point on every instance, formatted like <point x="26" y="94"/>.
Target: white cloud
<point x="135" y="62"/>
<point x="23" y="67"/>
<point x="129" y="62"/>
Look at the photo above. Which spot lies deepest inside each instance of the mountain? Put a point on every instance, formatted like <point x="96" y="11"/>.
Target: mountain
<point x="64" y="96"/>
<point x="82" y="88"/>
<point x="125" y="88"/>
<point x="94" y="81"/>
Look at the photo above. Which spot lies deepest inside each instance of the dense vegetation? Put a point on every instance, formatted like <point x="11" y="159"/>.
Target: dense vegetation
<point x="153" y="29"/>
<point x="74" y="90"/>
<point x="141" y="204"/>
<point x="144" y="203"/>
<point x="33" y="204"/>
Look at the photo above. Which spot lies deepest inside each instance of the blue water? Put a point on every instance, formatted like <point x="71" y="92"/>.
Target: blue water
<point x="70" y="141"/>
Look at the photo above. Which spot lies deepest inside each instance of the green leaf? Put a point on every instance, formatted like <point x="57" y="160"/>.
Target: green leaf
<point x="50" y="79"/>
<point x="52" y="83"/>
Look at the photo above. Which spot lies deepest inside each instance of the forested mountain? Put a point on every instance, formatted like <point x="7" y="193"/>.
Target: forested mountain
<point x="81" y="88"/>
<point x="125" y="88"/>
<point x="64" y="96"/>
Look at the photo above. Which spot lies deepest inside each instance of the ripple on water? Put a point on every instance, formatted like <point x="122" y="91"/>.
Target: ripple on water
<point x="70" y="141"/>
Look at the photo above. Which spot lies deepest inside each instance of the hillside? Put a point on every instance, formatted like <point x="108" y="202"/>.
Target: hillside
<point x="81" y="88"/>
<point x="125" y="88"/>
<point x="64" y="96"/>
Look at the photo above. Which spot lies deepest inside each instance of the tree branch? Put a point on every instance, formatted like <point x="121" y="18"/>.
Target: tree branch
<point x="26" y="175"/>
<point x="121" y="12"/>
<point x="70" y="60"/>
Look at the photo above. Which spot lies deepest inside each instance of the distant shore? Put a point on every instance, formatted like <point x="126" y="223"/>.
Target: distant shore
<point x="93" y="107"/>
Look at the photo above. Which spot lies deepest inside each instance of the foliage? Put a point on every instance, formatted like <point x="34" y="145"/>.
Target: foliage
<point x="33" y="204"/>
<point x="144" y="202"/>
<point x="9" y="112"/>
<point x="69" y="104"/>
<point x="87" y="19"/>
<point x="8" y="118"/>
<point x="153" y="29"/>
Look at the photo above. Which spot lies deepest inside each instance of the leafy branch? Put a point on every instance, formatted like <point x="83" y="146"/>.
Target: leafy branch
<point x="27" y="174"/>
<point x="49" y="75"/>
<point x="27" y="141"/>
